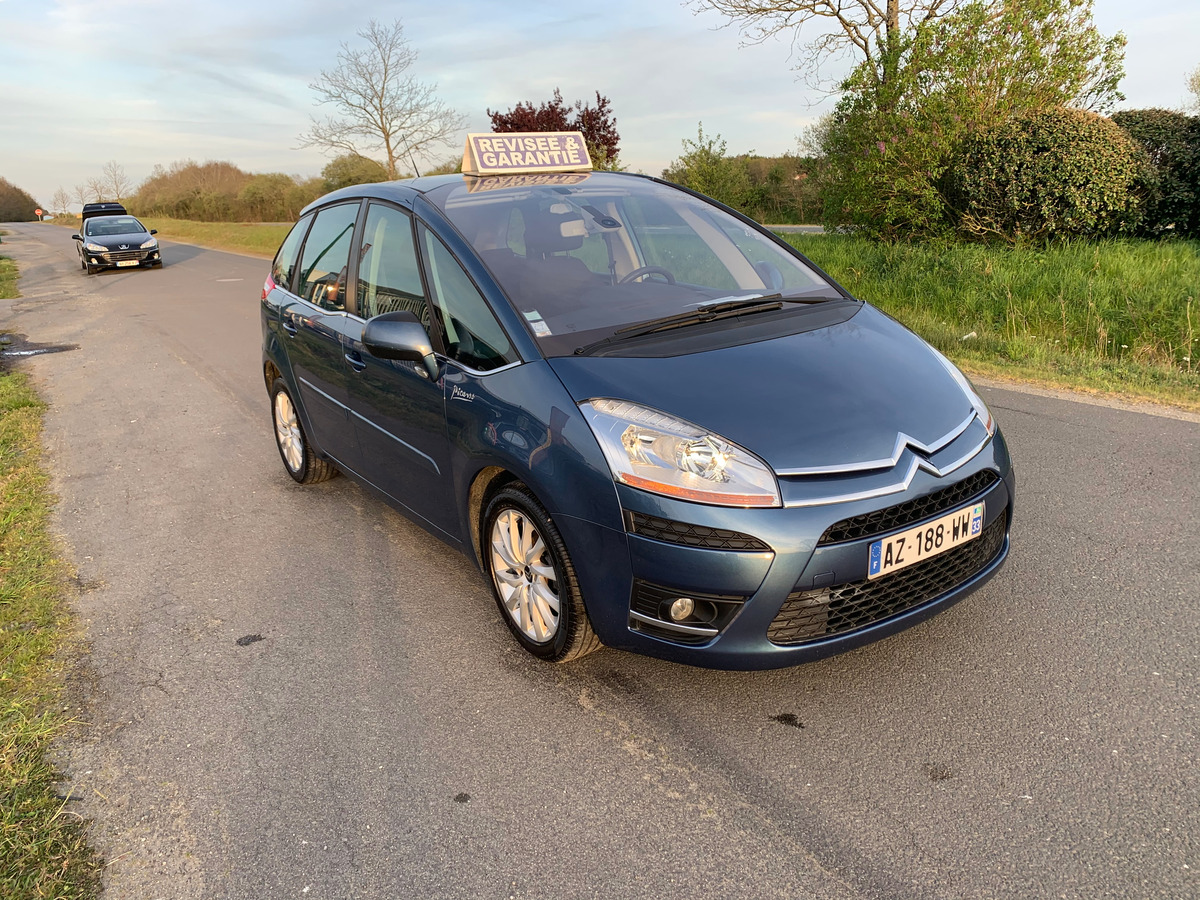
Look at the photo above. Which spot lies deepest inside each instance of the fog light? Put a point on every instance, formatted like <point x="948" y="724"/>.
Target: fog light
<point x="682" y="608"/>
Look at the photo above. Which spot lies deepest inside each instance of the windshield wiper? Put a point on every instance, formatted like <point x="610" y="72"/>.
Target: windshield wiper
<point x="702" y="315"/>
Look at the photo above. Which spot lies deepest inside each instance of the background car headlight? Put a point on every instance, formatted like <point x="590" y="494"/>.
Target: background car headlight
<point x="981" y="410"/>
<point x="655" y="452"/>
<point x="150" y="244"/>
<point x="95" y="248"/>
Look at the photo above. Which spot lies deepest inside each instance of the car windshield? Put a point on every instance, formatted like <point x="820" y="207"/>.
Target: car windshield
<point x="113" y="225"/>
<point x="584" y="257"/>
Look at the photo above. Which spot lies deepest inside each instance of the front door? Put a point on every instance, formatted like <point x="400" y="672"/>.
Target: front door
<point x="398" y="413"/>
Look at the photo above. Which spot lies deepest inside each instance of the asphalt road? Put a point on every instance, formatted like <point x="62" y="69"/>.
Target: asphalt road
<point x="387" y="739"/>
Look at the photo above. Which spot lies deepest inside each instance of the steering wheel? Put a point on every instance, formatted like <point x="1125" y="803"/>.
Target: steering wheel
<point x="641" y="271"/>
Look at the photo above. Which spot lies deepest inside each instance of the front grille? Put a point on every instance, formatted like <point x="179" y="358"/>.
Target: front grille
<point x="807" y="615"/>
<point x="119" y="255"/>
<point x="690" y="535"/>
<point x="884" y="520"/>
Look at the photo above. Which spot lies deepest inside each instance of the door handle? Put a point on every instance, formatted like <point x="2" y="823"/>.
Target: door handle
<point x="290" y="327"/>
<point x="355" y="360"/>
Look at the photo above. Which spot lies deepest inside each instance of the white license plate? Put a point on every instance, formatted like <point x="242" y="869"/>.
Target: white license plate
<point x="127" y="262"/>
<point x="925" y="541"/>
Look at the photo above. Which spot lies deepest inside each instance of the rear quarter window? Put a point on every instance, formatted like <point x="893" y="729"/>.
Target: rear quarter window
<point x="284" y="265"/>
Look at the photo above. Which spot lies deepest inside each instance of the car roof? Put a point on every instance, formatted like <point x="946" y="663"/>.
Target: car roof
<point x="405" y="191"/>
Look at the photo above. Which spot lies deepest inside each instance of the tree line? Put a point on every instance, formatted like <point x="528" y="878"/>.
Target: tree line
<point x="986" y="119"/>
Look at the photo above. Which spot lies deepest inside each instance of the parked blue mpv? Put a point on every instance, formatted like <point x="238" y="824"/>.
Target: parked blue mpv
<point x="654" y="425"/>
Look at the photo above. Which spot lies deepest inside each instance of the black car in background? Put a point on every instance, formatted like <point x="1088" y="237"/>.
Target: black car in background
<point x="113" y="239"/>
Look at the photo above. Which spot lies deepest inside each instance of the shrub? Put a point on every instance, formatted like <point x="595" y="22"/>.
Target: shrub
<point x="1172" y="142"/>
<point x="1055" y="174"/>
<point x="705" y="168"/>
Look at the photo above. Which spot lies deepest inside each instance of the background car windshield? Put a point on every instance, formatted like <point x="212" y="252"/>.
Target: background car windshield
<point x="584" y="256"/>
<point x="116" y="225"/>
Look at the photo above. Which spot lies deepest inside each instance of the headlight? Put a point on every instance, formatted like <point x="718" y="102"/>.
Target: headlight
<point x="95" y="248"/>
<point x="981" y="409"/>
<point x="150" y="244"/>
<point x="655" y="452"/>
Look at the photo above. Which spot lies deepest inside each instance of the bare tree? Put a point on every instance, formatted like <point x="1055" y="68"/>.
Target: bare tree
<point x="97" y="190"/>
<point x="60" y="203"/>
<point x="88" y="192"/>
<point x="116" y="182"/>
<point x="1193" y="86"/>
<point x="379" y="106"/>
<point x="871" y="30"/>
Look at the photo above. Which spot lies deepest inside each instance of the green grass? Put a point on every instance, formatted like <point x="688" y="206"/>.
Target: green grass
<point x="242" y="237"/>
<point x="1120" y="317"/>
<point x="43" y="845"/>
<point x="252" y="238"/>
<point x="8" y="278"/>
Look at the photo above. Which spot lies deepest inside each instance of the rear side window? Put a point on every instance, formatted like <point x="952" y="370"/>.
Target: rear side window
<point x="324" y="265"/>
<point x="285" y="260"/>
<point x="389" y="277"/>
<point x="473" y="336"/>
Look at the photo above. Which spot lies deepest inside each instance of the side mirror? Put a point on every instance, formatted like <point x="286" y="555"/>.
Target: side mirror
<point x="77" y="237"/>
<point x="154" y="231"/>
<point x="400" y="335"/>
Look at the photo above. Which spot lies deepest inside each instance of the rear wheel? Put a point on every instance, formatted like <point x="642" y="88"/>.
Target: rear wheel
<point x="298" y="458"/>
<point x="533" y="580"/>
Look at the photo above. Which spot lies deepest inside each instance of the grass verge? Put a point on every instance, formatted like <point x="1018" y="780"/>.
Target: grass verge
<point x="43" y="845"/>
<point x="252" y="238"/>
<point x="1120" y="317"/>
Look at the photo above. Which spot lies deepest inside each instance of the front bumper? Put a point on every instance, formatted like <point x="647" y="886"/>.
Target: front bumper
<point x="120" y="259"/>
<point x="779" y="587"/>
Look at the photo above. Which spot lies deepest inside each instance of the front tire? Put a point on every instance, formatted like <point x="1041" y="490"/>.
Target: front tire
<point x="532" y="578"/>
<point x="298" y="458"/>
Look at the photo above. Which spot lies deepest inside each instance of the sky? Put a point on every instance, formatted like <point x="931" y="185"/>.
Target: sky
<point x="151" y="82"/>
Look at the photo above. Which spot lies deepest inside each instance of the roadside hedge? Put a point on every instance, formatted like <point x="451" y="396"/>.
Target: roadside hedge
<point x="1056" y="174"/>
<point x="1172" y="142"/>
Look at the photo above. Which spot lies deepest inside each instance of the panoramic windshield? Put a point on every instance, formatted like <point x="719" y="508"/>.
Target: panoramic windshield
<point x="583" y="257"/>
<point x="113" y="225"/>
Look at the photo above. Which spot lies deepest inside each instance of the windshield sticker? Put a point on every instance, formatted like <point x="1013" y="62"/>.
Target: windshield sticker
<point x="537" y="323"/>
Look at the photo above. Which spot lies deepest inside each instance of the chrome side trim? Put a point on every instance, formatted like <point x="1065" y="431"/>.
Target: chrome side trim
<point x="902" y="441"/>
<point x="693" y="630"/>
<point x="316" y="390"/>
<point x="404" y="444"/>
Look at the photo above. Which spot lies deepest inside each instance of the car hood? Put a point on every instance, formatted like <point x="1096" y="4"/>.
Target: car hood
<point x="132" y="240"/>
<point x="829" y="398"/>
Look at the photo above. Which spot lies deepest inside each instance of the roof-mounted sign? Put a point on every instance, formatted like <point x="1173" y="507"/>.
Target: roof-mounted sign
<point x="525" y="152"/>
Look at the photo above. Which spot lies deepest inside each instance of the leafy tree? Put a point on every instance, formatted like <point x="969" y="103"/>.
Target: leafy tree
<point x="705" y="168"/>
<point x="350" y="168"/>
<point x="264" y="197"/>
<point x="890" y="144"/>
<point x="378" y="105"/>
<point x="1172" y="143"/>
<point x="15" y="204"/>
<point x="1062" y="173"/>
<point x="597" y="124"/>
